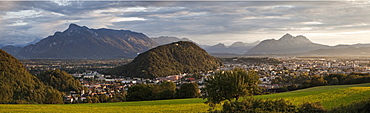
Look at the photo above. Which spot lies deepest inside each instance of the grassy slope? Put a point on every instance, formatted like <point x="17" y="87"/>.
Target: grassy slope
<point x="329" y="96"/>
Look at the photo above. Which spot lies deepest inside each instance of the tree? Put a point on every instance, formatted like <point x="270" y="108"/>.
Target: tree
<point x="317" y="80"/>
<point x="53" y="96"/>
<point x="334" y="81"/>
<point x="60" y="80"/>
<point x="166" y="90"/>
<point x="229" y="85"/>
<point x="6" y="94"/>
<point x="140" y="92"/>
<point x="189" y="90"/>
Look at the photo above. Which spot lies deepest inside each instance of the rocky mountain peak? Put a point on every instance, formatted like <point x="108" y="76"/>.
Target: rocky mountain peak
<point x="294" y="40"/>
<point x="286" y="37"/>
<point x="74" y="27"/>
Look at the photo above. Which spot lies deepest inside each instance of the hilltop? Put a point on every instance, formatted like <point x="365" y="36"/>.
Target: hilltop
<point x="170" y="59"/>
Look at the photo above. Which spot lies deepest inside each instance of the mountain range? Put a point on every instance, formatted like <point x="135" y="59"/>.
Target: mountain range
<point x="235" y="48"/>
<point x="81" y="42"/>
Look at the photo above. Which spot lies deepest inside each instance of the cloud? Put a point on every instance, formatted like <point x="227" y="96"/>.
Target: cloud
<point x="18" y="23"/>
<point x="311" y="23"/>
<point x="204" y="21"/>
<point x="128" y="19"/>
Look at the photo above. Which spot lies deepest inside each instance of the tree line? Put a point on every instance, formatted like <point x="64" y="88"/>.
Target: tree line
<point x="165" y="90"/>
<point x="291" y="83"/>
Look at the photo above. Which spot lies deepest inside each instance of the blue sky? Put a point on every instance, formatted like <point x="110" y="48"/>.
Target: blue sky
<point x="209" y="23"/>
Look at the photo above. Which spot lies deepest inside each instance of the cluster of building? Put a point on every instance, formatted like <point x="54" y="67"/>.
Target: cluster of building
<point x="306" y="66"/>
<point x="266" y="71"/>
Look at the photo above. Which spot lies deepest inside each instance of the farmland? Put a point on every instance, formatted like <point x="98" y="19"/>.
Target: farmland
<point x="329" y="96"/>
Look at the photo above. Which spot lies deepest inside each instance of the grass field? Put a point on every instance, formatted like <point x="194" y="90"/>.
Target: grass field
<point x="329" y="96"/>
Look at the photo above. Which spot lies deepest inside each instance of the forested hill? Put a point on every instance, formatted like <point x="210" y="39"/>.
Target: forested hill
<point x="17" y="85"/>
<point x="171" y="59"/>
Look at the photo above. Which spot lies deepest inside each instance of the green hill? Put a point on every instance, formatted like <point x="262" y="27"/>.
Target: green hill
<point x="329" y="96"/>
<point x="17" y="85"/>
<point x="171" y="59"/>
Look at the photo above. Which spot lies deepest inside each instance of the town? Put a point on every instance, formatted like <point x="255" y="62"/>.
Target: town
<point x="97" y="83"/>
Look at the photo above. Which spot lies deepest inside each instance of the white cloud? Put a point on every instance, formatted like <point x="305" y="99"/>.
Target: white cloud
<point x="266" y="17"/>
<point x="349" y="26"/>
<point x="18" y="23"/>
<point x="123" y="19"/>
<point x="62" y="2"/>
<point x="180" y="14"/>
<point x="122" y="10"/>
<point x="312" y="23"/>
<point x="22" y="14"/>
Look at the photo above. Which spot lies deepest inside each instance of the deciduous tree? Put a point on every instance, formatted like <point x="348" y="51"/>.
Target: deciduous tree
<point x="189" y="90"/>
<point x="229" y="85"/>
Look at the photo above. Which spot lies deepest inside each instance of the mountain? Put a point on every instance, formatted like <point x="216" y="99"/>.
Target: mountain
<point x="218" y="48"/>
<point x="170" y="59"/>
<point x="13" y="50"/>
<point x="335" y="51"/>
<point x="235" y="48"/>
<point x="354" y="45"/>
<point x="17" y="85"/>
<point x="240" y="47"/>
<point x="81" y="42"/>
<point x="286" y="45"/>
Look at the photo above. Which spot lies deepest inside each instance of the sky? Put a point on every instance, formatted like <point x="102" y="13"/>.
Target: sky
<point x="205" y="22"/>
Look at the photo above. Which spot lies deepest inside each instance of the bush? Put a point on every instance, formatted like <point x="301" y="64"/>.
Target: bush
<point x="311" y="108"/>
<point x="251" y="105"/>
<point x="357" y="107"/>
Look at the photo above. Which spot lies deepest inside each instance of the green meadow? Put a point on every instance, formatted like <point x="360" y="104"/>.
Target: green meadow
<point x="328" y="96"/>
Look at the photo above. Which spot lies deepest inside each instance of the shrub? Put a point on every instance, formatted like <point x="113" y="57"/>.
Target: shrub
<point x="311" y="108"/>
<point x="251" y="105"/>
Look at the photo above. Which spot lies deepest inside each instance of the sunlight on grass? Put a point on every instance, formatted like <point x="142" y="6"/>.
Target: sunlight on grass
<point x="328" y="96"/>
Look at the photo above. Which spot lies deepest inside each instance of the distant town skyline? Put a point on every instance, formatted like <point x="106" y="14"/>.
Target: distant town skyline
<point x="205" y="22"/>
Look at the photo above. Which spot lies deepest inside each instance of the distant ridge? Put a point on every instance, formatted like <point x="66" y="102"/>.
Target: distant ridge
<point x="81" y="42"/>
<point x="235" y="48"/>
<point x="170" y="59"/>
<point x="162" y="40"/>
